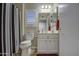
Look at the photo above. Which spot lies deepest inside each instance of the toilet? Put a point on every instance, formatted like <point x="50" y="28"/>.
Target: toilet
<point x="26" y="44"/>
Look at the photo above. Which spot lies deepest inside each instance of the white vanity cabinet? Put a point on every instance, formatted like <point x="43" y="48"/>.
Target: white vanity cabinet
<point x="47" y="43"/>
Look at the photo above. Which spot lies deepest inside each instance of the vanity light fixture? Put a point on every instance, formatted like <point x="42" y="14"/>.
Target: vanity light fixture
<point x="46" y="6"/>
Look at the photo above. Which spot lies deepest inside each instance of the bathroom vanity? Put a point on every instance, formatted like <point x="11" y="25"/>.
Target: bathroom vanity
<point x="48" y="43"/>
<point x="48" y="37"/>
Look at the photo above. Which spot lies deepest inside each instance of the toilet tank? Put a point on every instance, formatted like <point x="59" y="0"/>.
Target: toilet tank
<point x="28" y="36"/>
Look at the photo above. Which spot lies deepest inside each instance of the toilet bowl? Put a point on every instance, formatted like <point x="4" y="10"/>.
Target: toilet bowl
<point x="26" y="47"/>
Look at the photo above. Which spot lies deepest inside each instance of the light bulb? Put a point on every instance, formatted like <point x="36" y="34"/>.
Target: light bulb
<point x="46" y="6"/>
<point x="49" y="6"/>
<point x="42" y="6"/>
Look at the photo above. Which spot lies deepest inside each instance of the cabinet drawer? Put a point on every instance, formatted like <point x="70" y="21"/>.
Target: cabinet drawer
<point x="48" y="36"/>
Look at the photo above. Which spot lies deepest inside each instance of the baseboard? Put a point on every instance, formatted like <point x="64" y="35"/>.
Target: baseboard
<point x="42" y="54"/>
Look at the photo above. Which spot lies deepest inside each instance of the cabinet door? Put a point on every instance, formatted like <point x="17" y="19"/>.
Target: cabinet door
<point x="48" y="46"/>
<point x="42" y="47"/>
<point x="52" y="46"/>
